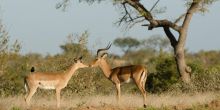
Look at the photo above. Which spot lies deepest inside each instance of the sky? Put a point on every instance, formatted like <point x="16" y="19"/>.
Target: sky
<point x="41" y="28"/>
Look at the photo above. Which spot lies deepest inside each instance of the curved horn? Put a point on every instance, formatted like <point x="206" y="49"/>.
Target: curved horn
<point x="103" y="49"/>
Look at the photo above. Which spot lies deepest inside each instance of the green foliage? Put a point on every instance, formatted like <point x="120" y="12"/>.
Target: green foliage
<point x="6" y="50"/>
<point x="165" y="74"/>
<point x="205" y="75"/>
<point x="161" y="67"/>
<point x="15" y="108"/>
<point x="126" y="44"/>
<point x="203" y="8"/>
<point x="148" y="108"/>
<point x="76" y="44"/>
<point x="156" y="42"/>
<point x="80" y="104"/>
<point x="208" y="57"/>
<point x="82" y="83"/>
<point x="63" y="4"/>
<point x="4" y="42"/>
<point x="141" y="56"/>
<point x="207" y="80"/>
<point x="8" y="63"/>
<point x="196" y="66"/>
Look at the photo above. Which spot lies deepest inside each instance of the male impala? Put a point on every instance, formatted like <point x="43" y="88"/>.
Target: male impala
<point x="121" y="74"/>
<point x="48" y="80"/>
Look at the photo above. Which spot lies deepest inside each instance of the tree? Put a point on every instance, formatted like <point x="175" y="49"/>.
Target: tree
<point x="156" y="43"/>
<point x="76" y="44"/>
<point x="6" y="49"/>
<point x="138" y="13"/>
<point x="126" y="44"/>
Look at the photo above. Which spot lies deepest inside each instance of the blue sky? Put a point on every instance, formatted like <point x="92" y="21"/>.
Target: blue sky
<point x="42" y="29"/>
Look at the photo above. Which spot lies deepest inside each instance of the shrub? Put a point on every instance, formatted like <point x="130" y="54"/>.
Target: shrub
<point x="202" y="81"/>
<point x="208" y="80"/>
<point x="165" y="74"/>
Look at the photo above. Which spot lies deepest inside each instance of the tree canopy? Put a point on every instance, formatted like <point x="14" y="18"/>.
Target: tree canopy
<point x="126" y="44"/>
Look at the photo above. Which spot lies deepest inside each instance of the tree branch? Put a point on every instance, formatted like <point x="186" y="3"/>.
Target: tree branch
<point x="170" y="36"/>
<point x="179" y="18"/>
<point x="124" y="18"/>
<point x="163" y="23"/>
<point x="128" y="18"/>
<point x="147" y="15"/>
<point x="154" y="5"/>
<point x="183" y="32"/>
<point x="135" y="22"/>
<point x="194" y="6"/>
<point x="127" y="13"/>
<point x="136" y="18"/>
<point x="140" y="8"/>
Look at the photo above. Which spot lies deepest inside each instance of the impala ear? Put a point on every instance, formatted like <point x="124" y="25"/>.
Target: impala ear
<point x="104" y="55"/>
<point x="75" y="60"/>
<point x="80" y="58"/>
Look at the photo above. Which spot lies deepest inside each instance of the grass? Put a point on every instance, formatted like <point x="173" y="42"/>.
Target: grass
<point x="203" y="101"/>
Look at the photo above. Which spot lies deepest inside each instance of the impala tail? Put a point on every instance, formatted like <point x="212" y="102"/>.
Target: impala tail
<point x="32" y="69"/>
<point x="26" y="85"/>
<point x="25" y="80"/>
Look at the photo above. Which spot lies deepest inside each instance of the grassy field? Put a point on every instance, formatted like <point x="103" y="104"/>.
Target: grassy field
<point x="204" y="101"/>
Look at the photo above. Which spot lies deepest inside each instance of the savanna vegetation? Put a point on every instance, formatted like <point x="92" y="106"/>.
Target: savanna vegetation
<point x="154" y="53"/>
<point x="177" y="79"/>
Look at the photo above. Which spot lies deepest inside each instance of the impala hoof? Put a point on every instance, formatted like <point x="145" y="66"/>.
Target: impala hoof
<point x="145" y="106"/>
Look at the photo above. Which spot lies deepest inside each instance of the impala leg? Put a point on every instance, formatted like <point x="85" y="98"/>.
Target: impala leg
<point x="118" y="92"/>
<point x="30" y="94"/>
<point x="58" y="97"/>
<point x="143" y="91"/>
<point x="144" y="94"/>
<point x="25" y="97"/>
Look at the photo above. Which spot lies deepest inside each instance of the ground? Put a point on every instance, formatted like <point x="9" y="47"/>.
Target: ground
<point x="196" y="101"/>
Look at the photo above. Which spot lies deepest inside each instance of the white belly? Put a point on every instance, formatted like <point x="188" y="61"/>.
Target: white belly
<point x="47" y="84"/>
<point x="128" y="80"/>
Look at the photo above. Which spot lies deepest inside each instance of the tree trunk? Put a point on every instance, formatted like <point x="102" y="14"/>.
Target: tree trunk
<point x="178" y="47"/>
<point x="177" y="44"/>
<point x="182" y="68"/>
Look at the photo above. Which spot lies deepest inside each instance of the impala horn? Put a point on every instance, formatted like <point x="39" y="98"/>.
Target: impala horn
<point x="103" y="49"/>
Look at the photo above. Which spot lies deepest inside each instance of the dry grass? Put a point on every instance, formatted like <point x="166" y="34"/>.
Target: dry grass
<point x="131" y="102"/>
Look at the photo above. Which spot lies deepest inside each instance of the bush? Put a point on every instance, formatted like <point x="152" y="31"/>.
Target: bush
<point x="203" y="80"/>
<point x="163" y="77"/>
<point x="209" y="80"/>
<point x="165" y="74"/>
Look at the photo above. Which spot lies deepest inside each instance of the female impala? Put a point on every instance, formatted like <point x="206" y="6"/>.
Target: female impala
<point x="121" y="74"/>
<point x="48" y="80"/>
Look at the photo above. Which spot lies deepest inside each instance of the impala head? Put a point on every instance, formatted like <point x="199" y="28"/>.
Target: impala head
<point x="78" y="62"/>
<point x="100" y="56"/>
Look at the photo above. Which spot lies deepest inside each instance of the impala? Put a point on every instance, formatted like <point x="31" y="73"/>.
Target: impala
<point x="122" y="74"/>
<point x="49" y="80"/>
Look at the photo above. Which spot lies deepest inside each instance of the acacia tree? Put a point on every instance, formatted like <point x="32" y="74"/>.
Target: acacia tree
<point x="156" y="43"/>
<point x="136" y="12"/>
<point x="126" y="44"/>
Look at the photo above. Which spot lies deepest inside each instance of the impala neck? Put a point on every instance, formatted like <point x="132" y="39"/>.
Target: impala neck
<point x="70" y="72"/>
<point x="105" y="68"/>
